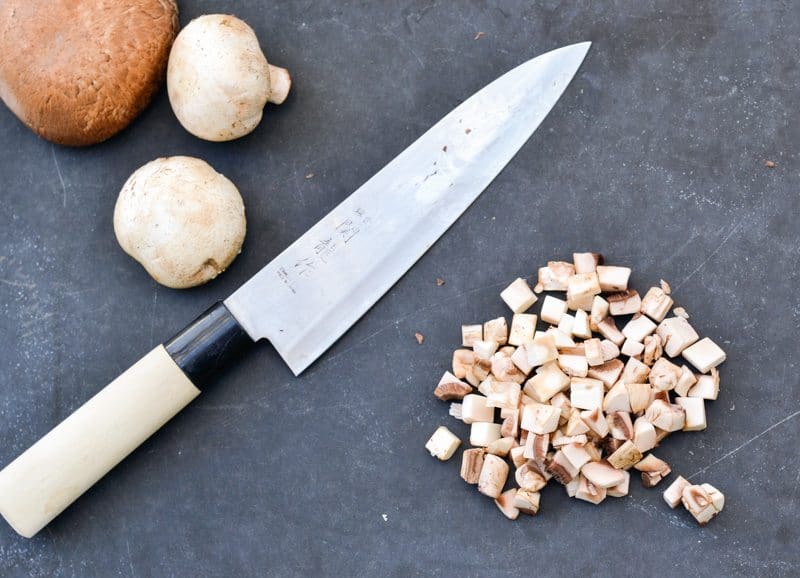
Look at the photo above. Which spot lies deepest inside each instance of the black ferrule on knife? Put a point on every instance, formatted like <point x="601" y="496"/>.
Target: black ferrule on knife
<point x="205" y="345"/>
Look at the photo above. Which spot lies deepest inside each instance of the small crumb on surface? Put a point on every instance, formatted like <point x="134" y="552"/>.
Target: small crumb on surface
<point x="665" y="287"/>
<point x="467" y="131"/>
<point x="444" y="149"/>
<point x="419" y="337"/>
<point x="479" y="35"/>
<point x="769" y="164"/>
<point x="385" y="517"/>
<point x="439" y="281"/>
<point x="310" y="176"/>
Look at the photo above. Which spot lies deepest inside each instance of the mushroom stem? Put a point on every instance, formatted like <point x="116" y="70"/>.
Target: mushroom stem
<point x="279" y="84"/>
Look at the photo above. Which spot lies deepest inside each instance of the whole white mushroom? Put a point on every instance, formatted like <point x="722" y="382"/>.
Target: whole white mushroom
<point x="218" y="79"/>
<point x="183" y="221"/>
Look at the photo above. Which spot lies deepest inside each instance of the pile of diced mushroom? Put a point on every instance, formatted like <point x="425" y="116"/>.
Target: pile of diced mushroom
<point x="577" y="408"/>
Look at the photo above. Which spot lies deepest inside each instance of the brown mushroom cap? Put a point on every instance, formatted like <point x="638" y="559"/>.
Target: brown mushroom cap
<point x="82" y="70"/>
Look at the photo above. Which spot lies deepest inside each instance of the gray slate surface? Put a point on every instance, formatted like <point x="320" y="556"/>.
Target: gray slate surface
<point x="654" y="156"/>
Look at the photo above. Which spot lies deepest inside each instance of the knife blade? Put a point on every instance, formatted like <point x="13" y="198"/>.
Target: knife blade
<point x="307" y="297"/>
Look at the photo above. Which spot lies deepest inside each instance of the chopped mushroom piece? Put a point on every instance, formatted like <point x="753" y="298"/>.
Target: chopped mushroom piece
<point x="548" y="381"/>
<point x="556" y="275"/>
<point x="676" y="335"/>
<point x="510" y="425"/>
<point x="603" y="475"/>
<point x="635" y="371"/>
<point x="594" y="351"/>
<point x="536" y="446"/>
<point x="541" y="350"/>
<point x="572" y="487"/>
<point x="523" y="326"/>
<point x="529" y="477"/>
<point x="613" y="278"/>
<point x="638" y="328"/>
<point x="518" y="296"/>
<point x="608" y="373"/>
<point x="680" y="312"/>
<point x="619" y="425"/>
<point x="580" y="327"/>
<point x="625" y="456"/>
<point x="482" y="433"/>
<point x="503" y="368"/>
<point x="485" y="349"/>
<point x="665" y="287"/>
<point x="562" y="340"/>
<point x="656" y="304"/>
<point x="672" y="495"/>
<point x="617" y="400"/>
<point x="664" y="375"/>
<point x="586" y="393"/>
<point x="463" y="359"/>
<point x="576" y="455"/>
<point x="666" y="416"/>
<point x="620" y="490"/>
<point x="581" y="289"/>
<point x="474" y="409"/>
<point x="595" y="421"/>
<point x="610" y="349"/>
<point x="503" y="394"/>
<point x="443" y="443"/>
<point x="527" y="502"/>
<point x="599" y="312"/>
<point x="540" y="418"/>
<point x="653" y="470"/>
<point x="652" y="349"/>
<point x="562" y="469"/>
<point x="575" y="425"/>
<point x="695" y="409"/>
<point x="685" y="382"/>
<point x="500" y="447"/>
<point x="493" y="476"/>
<point x="566" y="323"/>
<point x="573" y="365"/>
<point x="450" y="387"/>
<point x="505" y="502"/>
<point x="470" y="334"/>
<point x="707" y="386"/>
<point x="471" y="464"/>
<point x="563" y="440"/>
<point x="644" y="435"/>
<point x="552" y="310"/>
<point x="496" y="330"/>
<point x="608" y="329"/>
<point x="589" y="492"/>
<point x="704" y="355"/>
<point x="586" y="262"/>
<point x="455" y="410"/>
<point x="632" y="348"/>
<point x="624" y="303"/>
<point x="703" y="502"/>
<point x="638" y="396"/>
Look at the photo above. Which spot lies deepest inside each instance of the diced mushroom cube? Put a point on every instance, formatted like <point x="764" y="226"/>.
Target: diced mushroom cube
<point x="695" y="409"/>
<point x="576" y="455"/>
<point x="644" y="435"/>
<point x="575" y="425"/>
<point x="632" y="348"/>
<point x="573" y="365"/>
<point x="505" y="503"/>
<point x="503" y="368"/>
<point x="485" y="349"/>
<point x="493" y="476"/>
<point x="580" y="327"/>
<point x="672" y="495"/>
<point x="496" y="330"/>
<point x="560" y="440"/>
<point x="541" y="350"/>
<point x="586" y="393"/>
<point x="610" y="349"/>
<point x="619" y="425"/>
<point x="503" y="394"/>
<point x="450" y="387"/>
<point x="463" y="359"/>
<point x="599" y="312"/>
<point x="581" y="289"/>
<point x="676" y="335"/>
<point x="501" y="447"/>
<point x="482" y="434"/>
<point x="635" y="371"/>
<point x="638" y="396"/>
<point x="516" y="455"/>
<point x="620" y="490"/>
<point x="652" y="349"/>
<point x="625" y="456"/>
<point x="685" y="381"/>
<point x="547" y="382"/>
<point x="442" y="443"/>
<point x="596" y="421"/>
<point x="518" y="296"/>
<point x="653" y="470"/>
<point x="562" y="469"/>
<point x="540" y="418"/>
<point x="656" y="304"/>
<point x="594" y="352"/>
<point x="470" y="334"/>
<point x="523" y="325"/>
<point x="608" y="329"/>
<point x="704" y="355"/>
<point x="638" y="328"/>
<point x="603" y="475"/>
<point x="624" y="303"/>
<point x="706" y="386"/>
<point x="565" y="324"/>
<point x="527" y="502"/>
<point x="589" y="492"/>
<point x="617" y="399"/>
<point x="666" y="416"/>
<point x="471" y="464"/>
<point x="562" y="340"/>
<point x="608" y="373"/>
<point x="586" y="262"/>
<point x="703" y="502"/>
<point x="530" y="477"/>
<point x="572" y="487"/>
<point x="664" y="375"/>
<point x="510" y="425"/>
<point x="556" y="275"/>
<point x="552" y="310"/>
<point x="613" y="278"/>
<point x="474" y="409"/>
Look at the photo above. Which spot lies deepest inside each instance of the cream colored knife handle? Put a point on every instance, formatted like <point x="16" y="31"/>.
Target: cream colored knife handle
<point x="48" y="477"/>
<point x="56" y="470"/>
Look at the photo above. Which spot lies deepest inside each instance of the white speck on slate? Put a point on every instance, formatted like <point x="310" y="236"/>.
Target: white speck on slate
<point x="385" y="517"/>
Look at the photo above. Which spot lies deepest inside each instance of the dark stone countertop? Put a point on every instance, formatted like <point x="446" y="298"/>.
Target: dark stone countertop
<point x="654" y="156"/>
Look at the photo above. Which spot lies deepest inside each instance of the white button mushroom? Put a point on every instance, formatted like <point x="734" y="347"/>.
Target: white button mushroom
<point x="218" y="79"/>
<point x="181" y="220"/>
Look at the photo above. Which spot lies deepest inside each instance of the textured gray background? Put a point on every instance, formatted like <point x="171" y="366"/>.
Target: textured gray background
<point x="654" y="156"/>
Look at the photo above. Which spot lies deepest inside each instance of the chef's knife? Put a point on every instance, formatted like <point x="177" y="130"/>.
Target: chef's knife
<point x="307" y="297"/>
